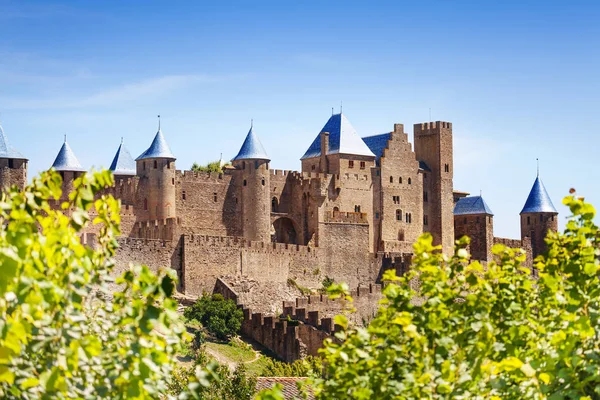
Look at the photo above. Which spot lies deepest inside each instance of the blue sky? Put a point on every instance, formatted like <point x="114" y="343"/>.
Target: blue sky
<point x="519" y="80"/>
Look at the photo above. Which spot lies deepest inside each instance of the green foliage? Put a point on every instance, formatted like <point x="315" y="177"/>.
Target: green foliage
<point x="327" y="282"/>
<point x="222" y="383"/>
<point x="480" y="333"/>
<point x="213" y="166"/>
<point x="219" y="316"/>
<point x="304" y="290"/>
<point x="309" y="366"/>
<point x="63" y="333"/>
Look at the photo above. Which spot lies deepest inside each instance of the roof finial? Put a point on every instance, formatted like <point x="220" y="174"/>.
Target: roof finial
<point x="251" y="123"/>
<point x="331" y="111"/>
<point x="480" y="193"/>
<point x="341" y="106"/>
<point x="65" y="138"/>
<point x="121" y="139"/>
<point x="537" y="160"/>
<point x="159" y="122"/>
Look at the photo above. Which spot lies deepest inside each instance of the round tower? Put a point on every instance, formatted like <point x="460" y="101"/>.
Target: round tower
<point x="69" y="168"/>
<point x="156" y="189"/>
<point x="538" y="217"/>
<point x="252" y="164"/>
<point x="13" y="165"/>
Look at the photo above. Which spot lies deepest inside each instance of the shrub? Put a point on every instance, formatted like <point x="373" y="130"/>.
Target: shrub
<point x="309" y="366"/>
<point x="479" y="333"/>
<point x="63" y="333"/>
<point x="219" y="316"/>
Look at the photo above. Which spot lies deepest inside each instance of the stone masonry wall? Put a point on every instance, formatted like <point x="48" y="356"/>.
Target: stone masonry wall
<point x="13" y="172"/>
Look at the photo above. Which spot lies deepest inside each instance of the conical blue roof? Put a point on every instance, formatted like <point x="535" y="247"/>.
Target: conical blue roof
<point x="538" y="200"/>
<point x="66" y="160"/>
<point x="123" y="163"/>
<point x="472" y="205"/>
<point x="6" y="150"/>
<point x="252" y="148"/>
<point x="158" y="149"/>
<point x="343" y="139"/>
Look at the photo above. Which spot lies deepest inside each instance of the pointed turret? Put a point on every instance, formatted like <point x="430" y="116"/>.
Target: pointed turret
<point x="538" y="216"/>
<point x="538" y="200"/>
<point x="6" y="150"/>
<point x="123" y="164"/>
<point x="156" y="190"/>
<point x="252" y="167"/>
<point x="66" y="160"/>
<point x="252" y="148"/>
<point x="13" y="165"/>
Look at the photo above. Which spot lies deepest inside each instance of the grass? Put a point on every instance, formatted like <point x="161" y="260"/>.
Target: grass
<point x="233" y="352"/>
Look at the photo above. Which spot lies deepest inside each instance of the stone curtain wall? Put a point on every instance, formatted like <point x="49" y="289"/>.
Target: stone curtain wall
<point x="524" y="244"/>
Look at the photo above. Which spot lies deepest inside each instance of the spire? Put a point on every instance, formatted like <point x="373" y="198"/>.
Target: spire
<point x="343" y="139"/>
<point x="123" y="163"/>
<point x="66" y="159"/>
<point x="538" y="200"/>
<point x="159" y="147"/>
<point x="252" y="148"/>
<point x="6" y="150"/>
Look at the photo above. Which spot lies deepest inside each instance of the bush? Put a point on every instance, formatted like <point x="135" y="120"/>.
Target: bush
<point x="220" y="317"/>
<point x="479" y="333"/>
<point x="309" y="366"/>
<point x="63" y="332"/>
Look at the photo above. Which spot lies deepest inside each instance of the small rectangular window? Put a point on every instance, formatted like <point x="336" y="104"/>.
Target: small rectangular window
<point x="11" y="163"/>
<point x="183" y="195"/>
<point x="215" y="197"/>
<point x="362" y="165"/>
<point x="425" y="197"/>
<point x="350" y="163"/>
<point x="425" y="220"/>
<point x="376" y="215"/>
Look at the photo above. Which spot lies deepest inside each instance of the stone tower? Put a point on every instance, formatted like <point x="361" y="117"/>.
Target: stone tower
<point x="473" y="218"/>
<point x="67" y="164"/>
<point x="433" y="146"/>
<point x="538" y="217"/>
<point x="13" y="165"/>
<point x="252" y="165"/>
<point x="156" y="188"/>
<point x="123" y="169"/>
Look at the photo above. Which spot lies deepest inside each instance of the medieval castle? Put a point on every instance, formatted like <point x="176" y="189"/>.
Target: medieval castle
<point x="354" y="210"/>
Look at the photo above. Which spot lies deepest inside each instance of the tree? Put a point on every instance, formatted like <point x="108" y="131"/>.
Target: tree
<point x="219" y="316"/>
<point x="213" y="166"/>
<point x="63" y="332"/>
<point x="475" y="332"/>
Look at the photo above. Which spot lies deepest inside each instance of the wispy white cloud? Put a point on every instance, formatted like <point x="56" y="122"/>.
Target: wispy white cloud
<point x="114" y="96"/>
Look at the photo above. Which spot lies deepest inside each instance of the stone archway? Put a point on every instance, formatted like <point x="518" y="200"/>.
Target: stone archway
<point x="284" y="231"/>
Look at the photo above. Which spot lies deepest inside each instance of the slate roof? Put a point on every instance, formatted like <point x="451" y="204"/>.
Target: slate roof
<point x="377" y="143"/>
<point x="472" y="205"/>
<point x="6" y="150"/>
<point x="290" y="386"/>
<point x="538" y="200"/>
<point x="158" y="149"/>
<point x="343" y="139"/>
<point x="66" y="159"/>
<point x="252" y="148"/>
<point x="123" y="163"/>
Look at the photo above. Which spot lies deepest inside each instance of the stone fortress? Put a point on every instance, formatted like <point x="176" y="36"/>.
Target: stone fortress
<point x="264" y="236"/>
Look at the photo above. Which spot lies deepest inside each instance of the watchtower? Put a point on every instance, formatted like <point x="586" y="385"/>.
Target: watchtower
<point x="474" y="218"/>
<point x="252" y="164"/>
<point x="538" y="216"/>
<point x="433" y="146"/>
<point x="13" y="165"/>
<point x="156" y="189"/>
<point x="67" y="164"/>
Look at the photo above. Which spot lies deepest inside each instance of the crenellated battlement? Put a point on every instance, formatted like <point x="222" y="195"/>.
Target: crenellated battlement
<point x="346" y="217"/>
<point x="162" y="229"/>
<point x="425" y="127"/>
<point x="280" y="172"/>
<point x="241" y="243"/>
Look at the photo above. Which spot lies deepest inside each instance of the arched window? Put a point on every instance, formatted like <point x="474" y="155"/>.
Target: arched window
<point x="391" y="179"/>
<point x="245" y="183"/>
<point x="155" y="164"/>
<point x="255" y="164"/>
<point x="183" y="195"/>
<point x="145" y="204"/>
<point x="409" y="181"/>
<point x="144" y="165"/>
<point x="336" y="209"/>
<point x="398" y="215"/>
<point x="243" y="164"/>
<point x="263" y="182"/>
<point x="357" y="209"/>
<point x="274" y="204"/>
